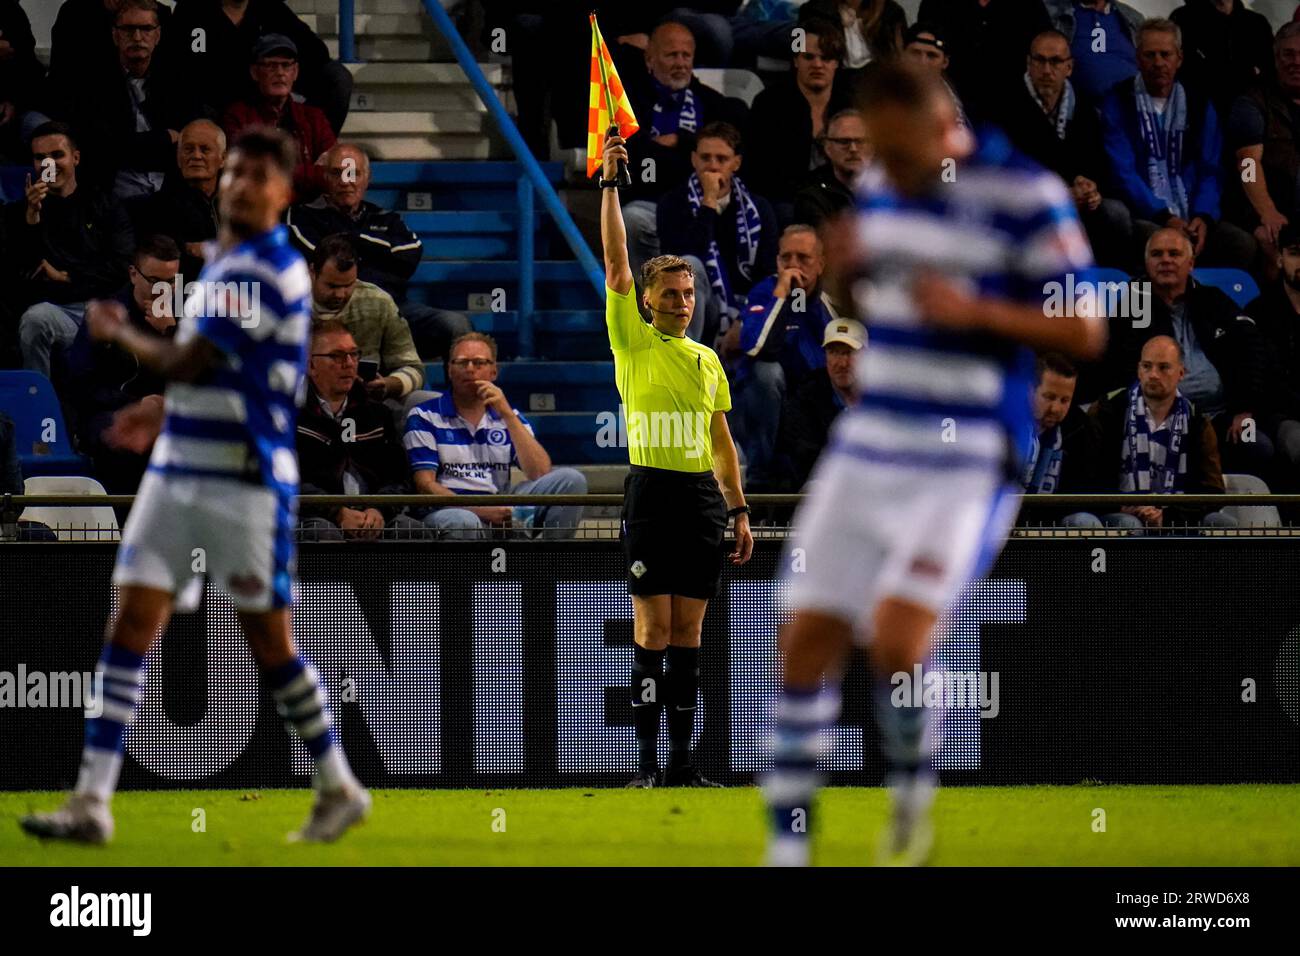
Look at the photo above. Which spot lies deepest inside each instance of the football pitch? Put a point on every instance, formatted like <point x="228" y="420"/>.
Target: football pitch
<point x="1241" y="825"/>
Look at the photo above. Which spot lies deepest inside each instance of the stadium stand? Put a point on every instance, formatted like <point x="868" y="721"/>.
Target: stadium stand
<point x="441" y="160"/>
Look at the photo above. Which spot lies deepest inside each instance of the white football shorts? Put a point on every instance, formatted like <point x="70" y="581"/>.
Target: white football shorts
<point x="869" y="530"/>
<point x="183" y="527"/>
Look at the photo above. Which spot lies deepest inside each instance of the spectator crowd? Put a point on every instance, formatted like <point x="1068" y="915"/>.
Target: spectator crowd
<point x="1178" y="140"/>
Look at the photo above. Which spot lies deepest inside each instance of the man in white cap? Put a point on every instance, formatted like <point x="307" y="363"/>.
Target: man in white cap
<point x="815" y="404"/>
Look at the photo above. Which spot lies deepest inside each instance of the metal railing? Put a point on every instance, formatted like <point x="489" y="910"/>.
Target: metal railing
<point x="1080" y="501"/>
<point x="772" y="518"/>
<point x="532" y="185"/>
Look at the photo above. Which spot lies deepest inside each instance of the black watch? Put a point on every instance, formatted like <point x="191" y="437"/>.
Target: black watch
<point x="607" y="183"/>
<point x="736" y="512"/>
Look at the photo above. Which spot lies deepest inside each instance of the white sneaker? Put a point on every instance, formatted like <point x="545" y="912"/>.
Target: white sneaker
<point x="332" y="814"/>
<point x="83" y="819"/>
<point x="909" y="838"/>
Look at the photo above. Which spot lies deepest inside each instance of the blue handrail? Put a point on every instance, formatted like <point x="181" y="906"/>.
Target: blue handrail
<point x="347" y="31"/>
<point x="534" y="184"/>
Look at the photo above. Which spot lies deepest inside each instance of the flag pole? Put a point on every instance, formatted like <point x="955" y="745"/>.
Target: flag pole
<point x="624" y="177"/>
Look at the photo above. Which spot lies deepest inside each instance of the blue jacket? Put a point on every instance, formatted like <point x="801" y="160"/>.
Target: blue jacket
<point x="1126" y="151"/>
<point x="771" y="330"/>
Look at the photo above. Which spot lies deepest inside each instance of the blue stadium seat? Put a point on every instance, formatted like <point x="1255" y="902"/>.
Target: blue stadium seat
<point x="1110" y="275"/>
<point x="1239" y="285"/>
<point x="13" y="180"/>
<point x="573" y="386"/>
<point x="573" y="436"/>
<point x="44" y="444"/>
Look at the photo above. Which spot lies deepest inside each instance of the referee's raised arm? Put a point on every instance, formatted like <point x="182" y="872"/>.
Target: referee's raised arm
<point x="613" y="235"/>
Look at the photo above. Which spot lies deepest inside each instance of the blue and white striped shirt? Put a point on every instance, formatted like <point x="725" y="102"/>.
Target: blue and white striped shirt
<point x="930" y="398"/>
<point x="239" y="419"/>
<point x="469" y="459"/>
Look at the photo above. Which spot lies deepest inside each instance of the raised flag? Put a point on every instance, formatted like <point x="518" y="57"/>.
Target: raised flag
<point x="607" y="103"/>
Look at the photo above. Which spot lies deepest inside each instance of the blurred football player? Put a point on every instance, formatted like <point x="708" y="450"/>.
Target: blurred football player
<point x="947" y="255"/>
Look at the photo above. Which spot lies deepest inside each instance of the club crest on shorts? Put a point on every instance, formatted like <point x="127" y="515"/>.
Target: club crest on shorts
<point x="246" y="585"/>
<point x="926" y="567"/>
<point x="638" y="568"/>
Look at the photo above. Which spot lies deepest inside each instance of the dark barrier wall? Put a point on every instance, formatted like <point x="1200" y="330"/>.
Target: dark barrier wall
<point x="1136" y="661"/>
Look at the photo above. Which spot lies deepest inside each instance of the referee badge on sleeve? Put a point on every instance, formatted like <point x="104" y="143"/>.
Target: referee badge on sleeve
<point x="638" y="568"/>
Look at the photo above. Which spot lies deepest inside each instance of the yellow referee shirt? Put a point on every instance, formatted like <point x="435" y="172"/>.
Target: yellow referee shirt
<point x="670" y="388"/>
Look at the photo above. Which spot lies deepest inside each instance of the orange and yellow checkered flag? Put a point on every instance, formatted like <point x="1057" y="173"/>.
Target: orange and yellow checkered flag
<point x="607" y="99"/>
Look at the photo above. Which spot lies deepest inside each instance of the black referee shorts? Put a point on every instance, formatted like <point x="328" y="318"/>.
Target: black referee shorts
<point x="673" y="528"/>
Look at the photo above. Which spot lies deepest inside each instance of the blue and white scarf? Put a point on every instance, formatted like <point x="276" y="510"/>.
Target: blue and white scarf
<point x="1043" y="463"/>
<point x="1139" y="472"/>
<point x="1064" y="106"/>
<point x="1164" y="140"/>
<point x="749" y="225"/>
<point x="674" y="110"/>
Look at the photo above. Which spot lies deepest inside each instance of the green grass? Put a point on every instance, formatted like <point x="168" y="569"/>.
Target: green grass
<point x="1009" y="826"/>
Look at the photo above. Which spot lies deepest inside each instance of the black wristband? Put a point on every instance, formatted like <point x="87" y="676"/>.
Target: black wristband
<point x="607" y="183"/>
<point x="742" y="510"/>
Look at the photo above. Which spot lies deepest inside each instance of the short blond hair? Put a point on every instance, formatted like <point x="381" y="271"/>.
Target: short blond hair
<point x="483" y="337"/>
<point x="654" y="268"/>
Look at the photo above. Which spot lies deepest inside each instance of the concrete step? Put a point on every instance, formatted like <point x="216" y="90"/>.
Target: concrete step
<point x="396" y="87"/>
<point x="442" y="146"/>
<point x="370" y="98"/>
<point x="414" y="123"/>
<point x="423" y="73"/>
<point x="395" y="49"/>
<point x="374" y="24"/>
<point x="363" y="7"/>
<point x="604" y="479"/>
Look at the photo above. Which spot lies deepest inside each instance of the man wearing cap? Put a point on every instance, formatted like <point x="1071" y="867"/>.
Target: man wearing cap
<point x="780" y="342"/>
<point x="814" y="405"/>
<point x="925" y="46"/>
<point x="274" y="71"/>
<point x="219" y="66"/>
<point x="1277" y="314"/>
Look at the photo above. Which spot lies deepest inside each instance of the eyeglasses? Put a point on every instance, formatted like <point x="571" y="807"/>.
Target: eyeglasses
<point x="135" y="31"/>
<point x="844" y="142"/>
<point x="154" y="280"/>
<point x="339" y="357"/>
<point x="1055" y="62"/>
<point x="472" y="362"/>
<point x="277" y="66"/>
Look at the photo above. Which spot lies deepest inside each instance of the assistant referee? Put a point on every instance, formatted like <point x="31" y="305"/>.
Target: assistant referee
<point x="683" y="486"/>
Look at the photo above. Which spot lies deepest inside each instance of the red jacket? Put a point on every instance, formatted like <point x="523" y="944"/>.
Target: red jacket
<point x="306" y="124"/>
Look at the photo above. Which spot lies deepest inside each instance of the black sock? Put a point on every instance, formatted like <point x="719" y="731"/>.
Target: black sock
<point x="647" y="701"/>
<point x="683" y="680"/>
